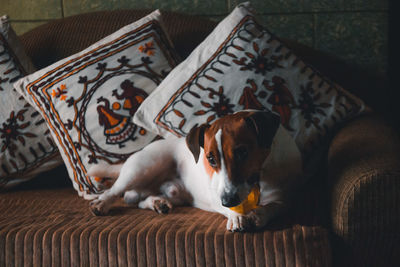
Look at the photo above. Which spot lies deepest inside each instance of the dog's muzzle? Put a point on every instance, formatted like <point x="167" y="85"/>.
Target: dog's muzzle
<point x="230" y="199"/>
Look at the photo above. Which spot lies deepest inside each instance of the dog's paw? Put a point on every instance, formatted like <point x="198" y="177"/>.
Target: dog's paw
<point x="256" y="219"/>
<point x="158" y="204"/>
<point x="237" y="223"/>
<point x="162" y="206"/>
<point x="99" y="207"/>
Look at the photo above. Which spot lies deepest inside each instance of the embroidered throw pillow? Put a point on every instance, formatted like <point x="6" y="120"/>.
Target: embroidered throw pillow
<point x="240" y="66"/>
<point x="89" y="99"/>
<point x="26" y="146"/>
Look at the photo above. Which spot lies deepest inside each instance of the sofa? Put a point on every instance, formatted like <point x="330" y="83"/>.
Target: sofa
<point x="346" y="215"/>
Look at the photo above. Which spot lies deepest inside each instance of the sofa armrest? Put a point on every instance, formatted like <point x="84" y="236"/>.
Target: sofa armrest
<point x="364" y="180"/>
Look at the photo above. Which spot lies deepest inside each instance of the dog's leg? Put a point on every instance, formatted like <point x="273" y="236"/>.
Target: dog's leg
<point x="131" y="197"/>
<point x="159" y="204"/>
<point x="173" y="193"/>
<point x="176" y="192"/>
<point x="103" y="169"/>
<point x="260" y="217"/>
<point x="145" y="169"/>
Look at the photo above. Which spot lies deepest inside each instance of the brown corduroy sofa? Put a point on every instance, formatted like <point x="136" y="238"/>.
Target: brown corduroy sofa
<point x="348" y="215"/>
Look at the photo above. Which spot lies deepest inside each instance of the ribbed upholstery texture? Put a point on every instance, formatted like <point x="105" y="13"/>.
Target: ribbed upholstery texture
<point x="364" y="171"/>
<point x="55" y="228"/>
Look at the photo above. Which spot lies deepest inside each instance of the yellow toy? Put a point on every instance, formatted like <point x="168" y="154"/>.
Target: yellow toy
<point x="250" y="203"/>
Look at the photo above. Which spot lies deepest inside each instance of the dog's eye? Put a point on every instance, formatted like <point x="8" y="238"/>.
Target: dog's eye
<point x="211" y="160"/>
<point x="241" y="154"/>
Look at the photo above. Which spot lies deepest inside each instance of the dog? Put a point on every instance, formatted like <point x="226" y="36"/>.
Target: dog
<point x="214" y="168"/>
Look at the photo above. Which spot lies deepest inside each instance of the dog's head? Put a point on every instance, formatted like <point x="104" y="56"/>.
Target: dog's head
<point x="235" y="148"/>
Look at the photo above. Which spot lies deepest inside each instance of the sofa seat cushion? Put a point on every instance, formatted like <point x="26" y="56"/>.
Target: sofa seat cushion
<point x="55" y="227"/>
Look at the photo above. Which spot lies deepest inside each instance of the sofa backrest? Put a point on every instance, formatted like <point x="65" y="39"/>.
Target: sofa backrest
<point x="60" y="38"/>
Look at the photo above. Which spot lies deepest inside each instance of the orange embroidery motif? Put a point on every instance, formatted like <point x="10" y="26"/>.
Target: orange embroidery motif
<point x="60" y="92"/>
<point x="116" y="125"/>
<point x="148" y="48"/>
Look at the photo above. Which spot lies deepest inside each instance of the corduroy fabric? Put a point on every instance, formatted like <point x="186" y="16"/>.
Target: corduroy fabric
<point x="55" y="228"/>
<point x="364" y="171"/>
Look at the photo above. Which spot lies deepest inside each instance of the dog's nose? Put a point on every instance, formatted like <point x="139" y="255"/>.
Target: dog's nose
<point x="230" y="200"/>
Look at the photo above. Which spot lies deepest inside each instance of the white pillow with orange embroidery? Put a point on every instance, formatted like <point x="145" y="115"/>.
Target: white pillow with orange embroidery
<point x="26" y="146"/>
<point x="89" y="99"/>
<point x="241" y="65"/>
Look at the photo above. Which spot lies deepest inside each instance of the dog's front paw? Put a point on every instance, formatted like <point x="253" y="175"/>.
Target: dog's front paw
<point x="256" y="219"/>
<point x="99" y="207"/>
<point x="237" y="223"/>
<point x="162" y="206"/>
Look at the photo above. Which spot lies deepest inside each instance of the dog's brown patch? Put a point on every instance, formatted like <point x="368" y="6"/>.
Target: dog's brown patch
<point x="236" y="136"/>
<point x="209" y="170"/>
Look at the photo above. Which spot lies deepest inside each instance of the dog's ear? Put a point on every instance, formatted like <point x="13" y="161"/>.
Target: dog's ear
<point x="195" y="140"/>
<point x="265" y="125"/>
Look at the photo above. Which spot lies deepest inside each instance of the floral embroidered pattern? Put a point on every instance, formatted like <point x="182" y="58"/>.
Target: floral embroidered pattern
<point x="310" y="107"/>
<point x="93" y="122"/>
<point x="249" y="99"/>
<point x="281" y="99"/>
<point x="147" y="48"/>
<point x="255" y="71"/>
<point x="217" y="109"/>
<point x="60" y="92"/>
<point x="25" y="141"/>
<point x="258" y="61"/>
<point x="12" y="131"/>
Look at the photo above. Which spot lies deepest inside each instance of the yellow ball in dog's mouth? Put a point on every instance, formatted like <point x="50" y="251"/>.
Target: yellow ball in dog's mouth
<point x="250" y="203"/>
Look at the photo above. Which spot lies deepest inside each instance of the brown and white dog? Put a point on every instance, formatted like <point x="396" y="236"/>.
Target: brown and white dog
<point x="213" y="169"/>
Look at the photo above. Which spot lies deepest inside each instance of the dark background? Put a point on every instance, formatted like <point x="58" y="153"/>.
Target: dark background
<point x="353" y="30"/>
